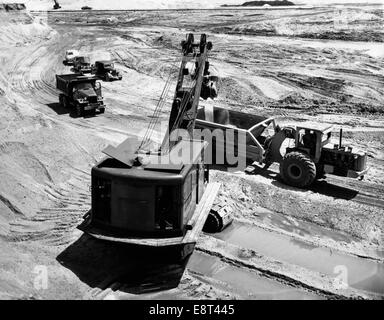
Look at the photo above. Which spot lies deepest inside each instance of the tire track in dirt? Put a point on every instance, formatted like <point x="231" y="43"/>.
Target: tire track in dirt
<point x="56" y="225"/>
<point x="10" y="205"/>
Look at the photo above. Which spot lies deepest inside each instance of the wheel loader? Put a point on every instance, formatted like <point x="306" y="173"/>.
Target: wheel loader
<point x="313" y="155"/>
<point x="304" y="153"/>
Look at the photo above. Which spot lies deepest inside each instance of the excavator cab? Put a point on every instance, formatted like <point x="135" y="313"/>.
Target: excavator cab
<point x="154" y="199"/>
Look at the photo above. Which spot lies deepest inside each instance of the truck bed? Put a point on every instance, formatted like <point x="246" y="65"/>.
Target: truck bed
<point x="253" y="126"/>
<point x="230" y="118"/>
<point x="63" y="80"/>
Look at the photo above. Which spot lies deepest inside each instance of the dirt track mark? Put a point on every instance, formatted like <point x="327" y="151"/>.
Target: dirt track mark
<point x="10" y="205"/>
<point x="25" y="160"/>
<point x="56" y="225"/>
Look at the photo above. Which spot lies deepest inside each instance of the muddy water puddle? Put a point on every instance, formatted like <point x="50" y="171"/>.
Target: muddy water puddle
<point x="248" y="284"/>
<point x="359" y="273"/>
<point x="301" y="228"/>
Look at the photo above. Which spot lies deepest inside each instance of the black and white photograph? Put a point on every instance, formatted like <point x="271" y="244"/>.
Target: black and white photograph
<point x="191" y="150"/>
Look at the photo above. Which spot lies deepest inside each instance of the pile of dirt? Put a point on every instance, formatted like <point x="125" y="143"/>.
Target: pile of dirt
<point x="166" y="41"/>
<point x="233" y="91"/>
<point x="345" y="36"/>
<point x="21" y="28"/>
<point x="314" y="106"/>
<point x="293" y="98"/>
<point x="276" y="3"/>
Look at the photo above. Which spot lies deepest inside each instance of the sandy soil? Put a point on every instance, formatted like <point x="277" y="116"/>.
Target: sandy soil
<point x="46" y="154"/>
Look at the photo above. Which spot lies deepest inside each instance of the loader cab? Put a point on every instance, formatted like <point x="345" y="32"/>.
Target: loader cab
<point x="311" y="140"/>
<point x="151" y="200"/>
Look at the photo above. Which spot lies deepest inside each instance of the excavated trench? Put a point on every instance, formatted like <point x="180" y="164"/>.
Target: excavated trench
<point x="362" y="274"/>
<point x="248" y="284"/>
<point x="300" y="228"/>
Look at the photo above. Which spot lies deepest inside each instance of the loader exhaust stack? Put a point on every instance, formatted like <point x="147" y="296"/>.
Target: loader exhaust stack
<point x="341" y="138"/>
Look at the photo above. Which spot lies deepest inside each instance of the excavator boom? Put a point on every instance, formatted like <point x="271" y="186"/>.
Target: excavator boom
<point x="194" y="68"/>
<point x="194" y="81"/>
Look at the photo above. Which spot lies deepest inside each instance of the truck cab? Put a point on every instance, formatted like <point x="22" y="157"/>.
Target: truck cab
<point x="82" y="64"/>
<point x="105" y="70"/>
<point x="70" y="56"/>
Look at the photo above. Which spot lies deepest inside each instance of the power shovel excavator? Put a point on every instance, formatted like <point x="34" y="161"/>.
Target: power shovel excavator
<point x="56" y="5"/>
<point x="152" y="197"/>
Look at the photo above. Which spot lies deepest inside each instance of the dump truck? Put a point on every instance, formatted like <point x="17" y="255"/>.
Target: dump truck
<point x="304" y="153"/>
<point x="83" y="93"/>
<point x="106" y="71"/>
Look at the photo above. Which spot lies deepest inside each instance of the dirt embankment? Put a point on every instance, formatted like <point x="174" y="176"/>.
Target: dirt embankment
<point x="347" y="24"/>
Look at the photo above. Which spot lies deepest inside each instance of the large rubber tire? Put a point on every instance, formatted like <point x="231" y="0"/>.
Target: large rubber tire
<point x="297" y="169"/>
<point x="65" y="102"/>
<point x="61" y="100"/>
<point x="320" y="172"/>
<point x="79" y="111"/>
<point x="213" y="223"/>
